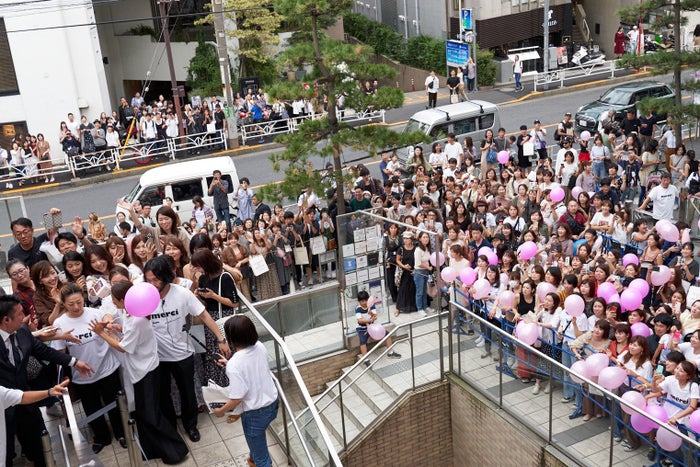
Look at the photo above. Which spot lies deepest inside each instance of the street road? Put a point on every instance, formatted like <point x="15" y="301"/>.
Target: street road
<point x="101" y="196"/>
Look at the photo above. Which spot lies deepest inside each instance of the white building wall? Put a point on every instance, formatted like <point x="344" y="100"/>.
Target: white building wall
<point x="59" y="70"/>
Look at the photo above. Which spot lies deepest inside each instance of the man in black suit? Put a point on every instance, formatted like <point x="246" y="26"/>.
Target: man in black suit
<point x="260" y="208"/>
<point x="16" y="346"/>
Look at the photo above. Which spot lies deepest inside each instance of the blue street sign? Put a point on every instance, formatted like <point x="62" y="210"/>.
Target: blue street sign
<point x="457" y="53"/>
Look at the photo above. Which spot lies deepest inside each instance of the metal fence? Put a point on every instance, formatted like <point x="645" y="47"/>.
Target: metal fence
<point x="261" y="130"/>
<point x="561" y="76"/>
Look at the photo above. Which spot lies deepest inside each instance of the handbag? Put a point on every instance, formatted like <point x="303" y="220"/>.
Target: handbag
<point x="433" y="289"/>
<point x="491" y="156"/>
<point x="454" y="99"/>
<point x="301" y="255"/>
<point x="332" y="243"/>
<point x="211" y="127"/>
<point x="318" y="246"/>
<point x="258" y="265"/>
<point x="280" y="252"/>
<point x="397" y="275"/>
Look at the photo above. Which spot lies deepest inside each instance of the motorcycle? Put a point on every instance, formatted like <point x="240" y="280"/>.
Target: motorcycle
<point x="583" y="58"/>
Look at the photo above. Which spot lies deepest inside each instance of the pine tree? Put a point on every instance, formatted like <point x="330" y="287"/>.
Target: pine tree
<point x="667" y="14"/>
<point x="339" y="69"/>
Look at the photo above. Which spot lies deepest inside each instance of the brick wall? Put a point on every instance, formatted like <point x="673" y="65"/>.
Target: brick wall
<point x="319" y="372"/>
<point x="483" y="436"/>
<point x="416" y="432"/>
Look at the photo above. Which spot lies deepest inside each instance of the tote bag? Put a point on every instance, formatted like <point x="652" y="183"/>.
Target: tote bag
<point x="301" y="256"/>
<point x="258" y="265"/>
<point x="318" y="246"/>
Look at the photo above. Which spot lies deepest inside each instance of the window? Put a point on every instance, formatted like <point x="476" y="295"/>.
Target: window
<point x="464" y="126"/>
<point x="486" y="121"/>
<point x="225" y="177"/>
<point x="153" y="195"/>
<point x="660" y="92"/>
<point x="185" y="191"/>
<point x="8" y="79"/>
<point x="440" y="131"/>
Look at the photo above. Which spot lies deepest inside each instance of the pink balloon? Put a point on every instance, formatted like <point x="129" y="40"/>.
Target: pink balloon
<point x="640" y="329"/>
<point x="669" y="232"/>
<point x="141" y="299"/>
<point x="685" y="236"/>
<point x="658" y="412"/>
<point x="631" y="299"/>
<point x="614" y="298"/>
<point x="574" y="305"/>
<point x="612" y="377"/>
<point x="694" y="421"/>
<point x="493" y="259"/>
<point x="467" y="276"/>
<point x="667" y="439"/>
<point x="641" y="286"/>
<point x="585" y="135"/>
<point x="506" y="299"/>
<point x="575" y="191"/>
<point x="433" y="260"/>
<point x="527" y="332"/>
<point x="630" y="258"/>
<point x="527" y="250"/>
<point x="503" y="157"/>
<point x="641" y="423"/>
<point x="557" y="194"/>
<point x="581" y="368"/>
<point x="448" y="274"/>
<point x="633" y="399"/>
<point x="661" y="276"/>
<point x="485" y="251"/>
<point x="591" y="194"/>
<point x="596" y="362"/>
<point x="482" y="287"/>
<point x="544" y="288"/>
<point x="606" y="290"/>
<point x="376" y="331"/>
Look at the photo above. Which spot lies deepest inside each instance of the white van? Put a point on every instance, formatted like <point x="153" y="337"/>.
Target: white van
<point x="471" y="118"/>
<point x="181" y="182"/>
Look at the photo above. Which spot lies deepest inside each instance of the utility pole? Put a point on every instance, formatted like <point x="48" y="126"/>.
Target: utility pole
<point x="546" y="43"/>
<point x="220" y="33"/>
<point x="171" y="65"/>
<point x="677" y="65"/>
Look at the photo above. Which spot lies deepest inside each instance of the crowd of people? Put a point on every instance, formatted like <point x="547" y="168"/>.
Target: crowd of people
<point x="585" y="205"/>
<point x="69" y="287"/>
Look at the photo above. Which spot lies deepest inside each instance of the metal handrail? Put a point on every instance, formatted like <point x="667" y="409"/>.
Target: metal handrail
<point x="299" y="380"/>
<point x="294" y="422"/>
<point x="379" y="345"/>
<point x="557" y="365"/>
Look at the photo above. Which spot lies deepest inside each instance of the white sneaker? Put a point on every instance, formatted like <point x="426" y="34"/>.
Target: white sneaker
<point x="547" y="388"/>
<point x="479" y="340"/>
<point x="430" y="310"/>
<point x="536" y="388"/>
<point x="422" y="313"/>
<point x="480" y="344"/>
<point x="10" y="186"/>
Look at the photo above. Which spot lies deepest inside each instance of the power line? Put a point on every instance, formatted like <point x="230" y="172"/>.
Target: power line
<point x="131" y="20"/>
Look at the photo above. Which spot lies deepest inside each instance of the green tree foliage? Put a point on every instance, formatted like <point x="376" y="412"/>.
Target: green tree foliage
<point x="204" y="74"/>
<point x="667" y="16"/>
<point x="486" y="69"/>
<point x="426" y="53"/>
<point x="339" y="68"/>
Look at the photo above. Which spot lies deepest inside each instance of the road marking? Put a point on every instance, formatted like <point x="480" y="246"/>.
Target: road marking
<point x="29" y="188"/>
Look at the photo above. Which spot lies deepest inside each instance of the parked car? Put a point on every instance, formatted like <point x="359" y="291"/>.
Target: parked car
<point x="621" y="98"/>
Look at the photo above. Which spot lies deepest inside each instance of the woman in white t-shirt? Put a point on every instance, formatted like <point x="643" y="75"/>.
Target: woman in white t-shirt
<point x="252" y="390"/>
<point x="603" y="220"/>
<point x="636" y="360"/>
<point x="680" y="389"/>
<point x="691" y="350"/>
<point x="548" y="317"/>
<point x="101" y="387"/>
<point x="158" y="438"/>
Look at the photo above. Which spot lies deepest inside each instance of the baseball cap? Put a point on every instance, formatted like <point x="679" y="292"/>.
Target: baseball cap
<point x="536" y="121"/>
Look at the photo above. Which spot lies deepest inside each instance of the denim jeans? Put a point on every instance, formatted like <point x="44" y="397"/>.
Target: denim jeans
<point x="599" y="170"/>
<point x="255" y="423"/>
<point x="223" y="214"/>
<point x="420" y="278"/>
<point x="571" y="390"/>
<point x="517" y="80"/>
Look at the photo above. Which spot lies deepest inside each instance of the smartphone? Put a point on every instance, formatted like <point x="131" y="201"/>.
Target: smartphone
<point x="216" y="405"/>
<point x="660" y="368"/>
<point x="586" y="268"/>
<point x="567" y="261"/>
<point x="201" y="289"/>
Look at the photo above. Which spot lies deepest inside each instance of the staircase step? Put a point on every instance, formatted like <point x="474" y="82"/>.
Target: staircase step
<point x="331" y="416"/>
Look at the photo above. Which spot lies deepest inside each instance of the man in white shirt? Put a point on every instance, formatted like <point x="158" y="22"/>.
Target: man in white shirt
<point x="664" y="198"/>
<point x="454" y="150"/>
<point x="633" y="36"/>
<point x="432" y="84"/>
<point x="73" y="125"/>
<point x="566" y="143"/>
<point x="148" y="128"/>
<point x="175" y="352"/>
<point x="5" y="166"/>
